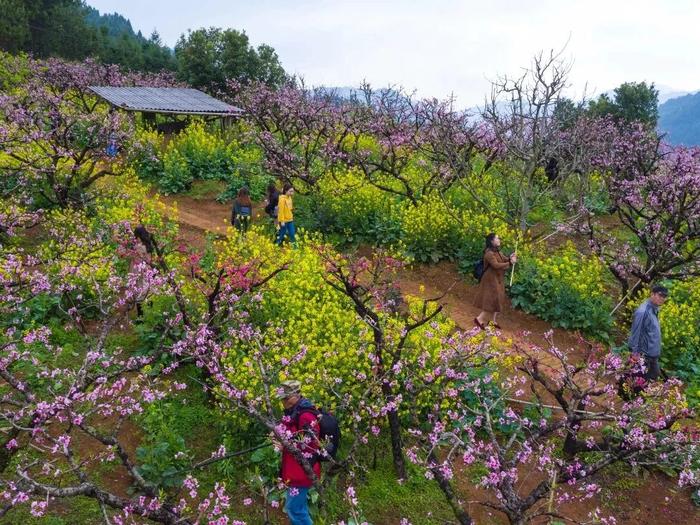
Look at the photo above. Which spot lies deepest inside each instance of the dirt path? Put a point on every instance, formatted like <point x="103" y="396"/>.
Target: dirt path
<point x="206" y="214"/>
<point x="196" y="216"/>
<point x="443" y="278"/>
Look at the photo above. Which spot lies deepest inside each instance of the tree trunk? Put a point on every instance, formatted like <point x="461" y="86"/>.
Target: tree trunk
<point x="393" y="416"/>
<point x="395" y="434"/>
<point x="571" y="443"/>
<point x="462" y="516"/>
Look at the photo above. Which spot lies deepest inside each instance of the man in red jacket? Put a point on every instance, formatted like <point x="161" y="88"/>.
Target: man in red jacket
<point x="302" y="429"/>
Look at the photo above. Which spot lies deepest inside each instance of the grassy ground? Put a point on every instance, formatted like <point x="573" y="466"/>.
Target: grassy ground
<point x="206" y="189"/>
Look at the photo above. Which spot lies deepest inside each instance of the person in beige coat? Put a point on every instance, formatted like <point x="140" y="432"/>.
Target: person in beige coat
<point x="491" y="295"/>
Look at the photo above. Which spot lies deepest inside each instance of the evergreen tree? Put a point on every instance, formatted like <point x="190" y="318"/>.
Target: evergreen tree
<point x="207" y="58"/>
<point x="631" y="101"/>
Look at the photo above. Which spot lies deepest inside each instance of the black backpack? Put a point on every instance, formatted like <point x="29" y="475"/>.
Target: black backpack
<point x="329" y="430"/>
<point x="479" y="269"/>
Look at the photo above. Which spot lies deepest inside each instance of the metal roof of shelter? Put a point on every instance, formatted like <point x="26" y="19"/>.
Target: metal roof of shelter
<point x="182" y="101"/>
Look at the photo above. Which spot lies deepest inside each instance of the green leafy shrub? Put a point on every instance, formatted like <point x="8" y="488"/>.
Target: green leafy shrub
<point x="175" y="429"/>
<point x="680" y="321"/>
<point x="256" y="184"/>
<point x="248" y="169"/>
<point x="436" y="228"/>
<point x="177" y="176"/>
<point x="209" y="155"/>
<point x="146" y="157"/>
<point x="358" y="210"/>
<point x="566" y="289"/>
<point x="309" y="215"/>
<point x="199" y="153"/>
<point x="193" y="154"/>
<point x="162" y="462"/>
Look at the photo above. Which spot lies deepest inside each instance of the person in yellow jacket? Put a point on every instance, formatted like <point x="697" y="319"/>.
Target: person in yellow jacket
<point x="285" y="216"/>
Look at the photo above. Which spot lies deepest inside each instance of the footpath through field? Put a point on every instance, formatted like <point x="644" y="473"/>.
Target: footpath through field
<point x="206" y="215"/>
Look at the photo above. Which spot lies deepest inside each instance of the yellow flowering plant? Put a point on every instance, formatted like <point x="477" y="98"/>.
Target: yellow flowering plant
<point x="313" y="328"/>
<point x="360" y="211"/>
<point x="434" y="228"/>
<point x="680" y="320"/>
<point x="565" y="288"/>
<point x="306" y="315"/>
<point x="200" y="152"/>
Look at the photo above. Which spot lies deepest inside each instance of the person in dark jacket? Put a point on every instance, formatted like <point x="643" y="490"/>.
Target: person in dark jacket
<point x="142" y="253"/>
<point x="491" y="295"/>
<point x="303" y="425"/>
<point x="645" y="334"/>
<point x="242" y="210"/>
<point x="273" y="197"/>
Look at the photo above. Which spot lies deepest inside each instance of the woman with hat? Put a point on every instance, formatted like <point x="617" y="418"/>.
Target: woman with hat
<point x="301" y="423"/>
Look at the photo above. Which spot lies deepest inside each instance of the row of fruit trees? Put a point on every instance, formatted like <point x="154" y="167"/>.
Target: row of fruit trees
<point x="90" y="394"/>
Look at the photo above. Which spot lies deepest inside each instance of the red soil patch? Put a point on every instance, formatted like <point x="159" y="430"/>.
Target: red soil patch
<point x="207" y="214"/>
<point x="442" y="278"/>
<point x="652" y="500"/>
<point x="115" y="476"/>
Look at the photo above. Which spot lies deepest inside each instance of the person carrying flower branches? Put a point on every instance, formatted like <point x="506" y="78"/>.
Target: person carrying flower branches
<point x="491" y="295"/>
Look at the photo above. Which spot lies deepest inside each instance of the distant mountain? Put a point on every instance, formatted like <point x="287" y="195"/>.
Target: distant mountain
<point x="343" y="92"/>
<point x="679" y="118"/>
<point x="668" y="92"/>
<point x="349" y="93"/>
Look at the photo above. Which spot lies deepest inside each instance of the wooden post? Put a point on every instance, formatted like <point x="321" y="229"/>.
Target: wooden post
<point x="630" y="291"/>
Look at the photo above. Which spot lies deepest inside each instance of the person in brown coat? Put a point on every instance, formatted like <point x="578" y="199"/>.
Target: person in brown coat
<point x="491" y="295"/>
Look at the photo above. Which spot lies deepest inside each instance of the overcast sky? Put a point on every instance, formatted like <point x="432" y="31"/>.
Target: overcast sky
<point x="439" y="47"/>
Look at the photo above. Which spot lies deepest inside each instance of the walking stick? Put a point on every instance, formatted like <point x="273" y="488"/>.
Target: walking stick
<point x="567" y="222"/>
<point x="512" y="270"/>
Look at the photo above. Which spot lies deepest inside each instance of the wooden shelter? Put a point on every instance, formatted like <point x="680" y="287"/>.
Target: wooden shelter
<point x="150" y="101"/>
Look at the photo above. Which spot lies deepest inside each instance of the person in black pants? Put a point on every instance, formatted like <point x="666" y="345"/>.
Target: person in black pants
<point x="242" y="210"/>
<point x="273" y="196"/>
